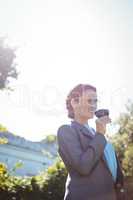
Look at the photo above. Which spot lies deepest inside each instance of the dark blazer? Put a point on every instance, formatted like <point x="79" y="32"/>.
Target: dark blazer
<point x="89" y="177"/>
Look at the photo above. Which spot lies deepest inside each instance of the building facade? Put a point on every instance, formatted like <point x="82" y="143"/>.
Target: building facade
<point x="26" y="158"/>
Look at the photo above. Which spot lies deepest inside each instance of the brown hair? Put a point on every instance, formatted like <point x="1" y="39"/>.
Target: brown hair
<point x="75" y="93"/>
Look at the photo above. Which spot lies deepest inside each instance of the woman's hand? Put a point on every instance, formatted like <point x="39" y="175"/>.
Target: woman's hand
<point x="101" y="124"/>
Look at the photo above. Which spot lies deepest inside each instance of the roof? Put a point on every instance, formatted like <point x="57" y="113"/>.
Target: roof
<point x="27" y="144"/>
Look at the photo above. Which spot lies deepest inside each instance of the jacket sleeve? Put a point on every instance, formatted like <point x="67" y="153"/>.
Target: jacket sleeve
<point x="70" y="150"/>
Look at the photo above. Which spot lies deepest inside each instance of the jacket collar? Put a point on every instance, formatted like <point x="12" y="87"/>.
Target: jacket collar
<point x="81" y="128"/>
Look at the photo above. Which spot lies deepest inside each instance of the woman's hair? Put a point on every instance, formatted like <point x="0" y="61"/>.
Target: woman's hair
<point x="75" y="93"/>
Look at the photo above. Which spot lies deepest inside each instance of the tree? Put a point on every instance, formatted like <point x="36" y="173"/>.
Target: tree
<point x="7" y="70"/>
<point x="125" y="122"/>
<point x="7" y="65"/>
<point x="128" y="161"/>
<point x="123" y="140"/>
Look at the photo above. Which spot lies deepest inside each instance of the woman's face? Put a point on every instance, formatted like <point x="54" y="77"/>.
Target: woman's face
<point x="86" y="106"/>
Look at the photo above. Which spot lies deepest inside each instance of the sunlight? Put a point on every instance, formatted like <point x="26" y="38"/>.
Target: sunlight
<point x="61" y="44"/>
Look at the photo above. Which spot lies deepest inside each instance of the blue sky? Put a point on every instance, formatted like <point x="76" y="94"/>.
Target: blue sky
<point x="63" y="43"/>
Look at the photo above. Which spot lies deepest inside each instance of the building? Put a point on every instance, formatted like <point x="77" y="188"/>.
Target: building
<point x="26" y="158"/>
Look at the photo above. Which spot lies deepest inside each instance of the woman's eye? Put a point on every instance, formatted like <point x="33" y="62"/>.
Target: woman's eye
<point x="89" y="101"/>
<point x="92" y="100"/>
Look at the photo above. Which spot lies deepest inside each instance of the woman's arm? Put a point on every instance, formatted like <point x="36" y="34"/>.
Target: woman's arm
<point x="70" y="150"/>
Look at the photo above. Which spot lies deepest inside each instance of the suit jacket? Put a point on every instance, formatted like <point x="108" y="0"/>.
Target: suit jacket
<point x="89" y="177"/>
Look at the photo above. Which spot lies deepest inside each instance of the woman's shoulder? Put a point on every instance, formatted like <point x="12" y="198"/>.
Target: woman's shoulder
<point x="65" y="129"/>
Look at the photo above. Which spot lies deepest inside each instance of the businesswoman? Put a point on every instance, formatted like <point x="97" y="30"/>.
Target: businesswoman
<point x="93" y="168"/>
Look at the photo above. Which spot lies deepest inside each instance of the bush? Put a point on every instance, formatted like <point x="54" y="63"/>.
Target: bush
<point x="128" y="161"/>
<point x="55" y="182"/>
<point x="48" y="185"/>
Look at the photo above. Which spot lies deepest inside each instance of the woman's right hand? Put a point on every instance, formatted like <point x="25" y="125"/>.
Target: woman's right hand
<point x="101" y="124"/>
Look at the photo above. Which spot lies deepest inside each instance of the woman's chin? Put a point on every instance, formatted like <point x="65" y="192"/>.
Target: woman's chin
<point x="91" y="114"/>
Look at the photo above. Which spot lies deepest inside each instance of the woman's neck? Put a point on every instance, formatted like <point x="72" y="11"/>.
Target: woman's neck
<point x="81" y="120"/>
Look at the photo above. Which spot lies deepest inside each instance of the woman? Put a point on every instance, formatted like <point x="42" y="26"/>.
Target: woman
<point x="84" y="151"/>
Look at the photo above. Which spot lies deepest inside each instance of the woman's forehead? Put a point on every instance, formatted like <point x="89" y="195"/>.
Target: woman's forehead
<point x="90" y="93"/>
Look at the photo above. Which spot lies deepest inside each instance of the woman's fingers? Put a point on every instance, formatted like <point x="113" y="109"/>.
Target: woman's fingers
<point x="104" y="120"/>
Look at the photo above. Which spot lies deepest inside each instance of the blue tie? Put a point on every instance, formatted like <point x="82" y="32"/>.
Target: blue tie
<point x="109" y="153"/>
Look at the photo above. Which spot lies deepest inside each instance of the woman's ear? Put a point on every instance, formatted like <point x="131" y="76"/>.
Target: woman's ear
<point x="74" y="102"/>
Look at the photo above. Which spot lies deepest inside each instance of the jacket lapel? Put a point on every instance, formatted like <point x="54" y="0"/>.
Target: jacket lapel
<point x="86" y="132"/>
<point x="82" y="129"/>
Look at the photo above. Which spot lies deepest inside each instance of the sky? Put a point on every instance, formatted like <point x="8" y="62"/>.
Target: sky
<point x="59" y="45"/>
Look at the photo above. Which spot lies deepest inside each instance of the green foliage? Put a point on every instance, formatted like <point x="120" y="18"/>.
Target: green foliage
<point x="125" y="122"/>
<point x="12" y="187"/>
<point x="120" y="144"/>
<point x="16" y="166"/>
<point x="3" y="140"/>
<point x="123" y="140"/>
<point x="51" y="138"/>
<point x="56" y="177"/>
<point x="128" y="161"/>
<point x="3" y="128"/>
<point x="47" y="185"/>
